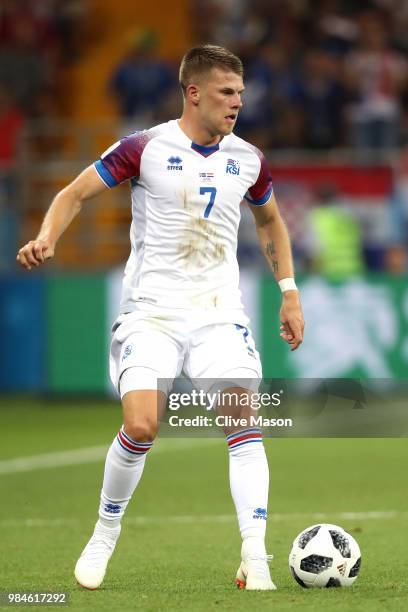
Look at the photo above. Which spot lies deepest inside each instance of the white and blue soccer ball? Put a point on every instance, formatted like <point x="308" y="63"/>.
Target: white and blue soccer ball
<point x="324" y="556"/>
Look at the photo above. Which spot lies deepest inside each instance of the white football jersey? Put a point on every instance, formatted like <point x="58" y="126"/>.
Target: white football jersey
<point x="186" y="211"/>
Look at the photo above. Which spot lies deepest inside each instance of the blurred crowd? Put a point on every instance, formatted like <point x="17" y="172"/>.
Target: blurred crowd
<point x="39" y="39"/>
<point x="319" y="75"/>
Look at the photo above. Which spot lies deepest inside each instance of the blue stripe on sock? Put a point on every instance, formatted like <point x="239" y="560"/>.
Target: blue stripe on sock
<point x="142" y="452"/>
<point x="243" y="432"/>
<point x="132" y="441"/>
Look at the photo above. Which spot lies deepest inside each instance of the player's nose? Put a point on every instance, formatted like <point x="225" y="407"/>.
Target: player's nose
<point x="237" y="102"/>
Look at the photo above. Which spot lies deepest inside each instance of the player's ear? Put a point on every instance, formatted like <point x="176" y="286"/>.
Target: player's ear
<point x="193" y="93"/>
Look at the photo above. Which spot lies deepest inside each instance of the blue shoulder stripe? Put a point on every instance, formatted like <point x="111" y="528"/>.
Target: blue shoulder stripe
<point x="105" y="175"/>
<point x="262" y="201"/>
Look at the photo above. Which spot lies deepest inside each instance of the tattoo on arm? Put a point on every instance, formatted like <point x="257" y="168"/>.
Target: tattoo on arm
<point x="270" y="251"/>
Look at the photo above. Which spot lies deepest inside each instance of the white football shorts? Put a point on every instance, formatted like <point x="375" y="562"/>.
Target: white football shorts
<point x="162" y="343"/>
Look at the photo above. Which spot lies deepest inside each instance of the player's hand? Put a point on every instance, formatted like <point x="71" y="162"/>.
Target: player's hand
<point x="292" y="322"/>
<point x="35" y="253"/>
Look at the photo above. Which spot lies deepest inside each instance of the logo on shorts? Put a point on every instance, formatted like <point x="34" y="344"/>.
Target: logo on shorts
<point x="260" y="513"/>
<point x="174" y="163"/>
<point x="127" y="352"/>
<point x="232" y="166"/>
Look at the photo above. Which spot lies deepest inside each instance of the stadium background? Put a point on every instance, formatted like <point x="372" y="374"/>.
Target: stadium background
<point x="327" y="100"/>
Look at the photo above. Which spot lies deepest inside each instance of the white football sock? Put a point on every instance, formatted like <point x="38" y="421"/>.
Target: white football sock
<point x="123" y="469"/>
<point x="249" y="481"/>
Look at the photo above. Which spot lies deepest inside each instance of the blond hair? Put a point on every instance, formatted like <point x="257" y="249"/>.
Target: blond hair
<point x="200" y="60"/>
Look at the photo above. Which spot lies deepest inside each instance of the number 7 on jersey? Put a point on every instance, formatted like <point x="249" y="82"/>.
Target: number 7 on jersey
<point x="212" y="191"/>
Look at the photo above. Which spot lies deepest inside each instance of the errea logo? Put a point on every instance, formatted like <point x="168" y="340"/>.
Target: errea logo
<point x="112" y="508"/>
<point x="260" y="513"/>
<point x="174" y="163"/>
<point x="232" y="166"/>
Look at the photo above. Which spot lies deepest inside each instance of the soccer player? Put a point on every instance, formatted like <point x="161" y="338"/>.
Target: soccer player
<point x="181" y="307"/>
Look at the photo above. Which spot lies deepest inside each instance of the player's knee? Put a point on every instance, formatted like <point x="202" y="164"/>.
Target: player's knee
<point x="142" y="431"/>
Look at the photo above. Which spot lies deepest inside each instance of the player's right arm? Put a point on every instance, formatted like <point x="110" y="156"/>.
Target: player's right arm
<point x="64" y="208"/>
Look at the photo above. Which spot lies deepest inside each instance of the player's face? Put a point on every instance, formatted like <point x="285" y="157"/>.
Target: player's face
<point x="220" y="101"/>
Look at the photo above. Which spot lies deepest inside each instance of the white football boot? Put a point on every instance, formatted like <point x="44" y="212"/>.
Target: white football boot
<point x="253" y="573"/>
<point x="91" y="565"/>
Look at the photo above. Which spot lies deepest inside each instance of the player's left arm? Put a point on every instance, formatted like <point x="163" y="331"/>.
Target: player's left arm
<point x="275" y="244"/>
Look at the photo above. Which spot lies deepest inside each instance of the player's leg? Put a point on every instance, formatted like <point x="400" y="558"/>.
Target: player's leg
<point x="127" y="454"/>
<point x="227" y="353"/>
<point x="249" y="483"/>
<point x="124" y="466"/>
<point x="147" y="356"/>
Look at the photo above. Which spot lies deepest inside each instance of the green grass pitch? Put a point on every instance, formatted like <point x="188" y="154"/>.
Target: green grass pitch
<point x="180" y="545"/>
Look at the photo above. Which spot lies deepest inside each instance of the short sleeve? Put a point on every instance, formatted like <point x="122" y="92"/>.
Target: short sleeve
<point x="262" y="189"/>
<point x="121" y="161"/>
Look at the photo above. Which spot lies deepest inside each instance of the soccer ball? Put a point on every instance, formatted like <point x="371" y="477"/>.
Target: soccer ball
<point x="324" y="556"/>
